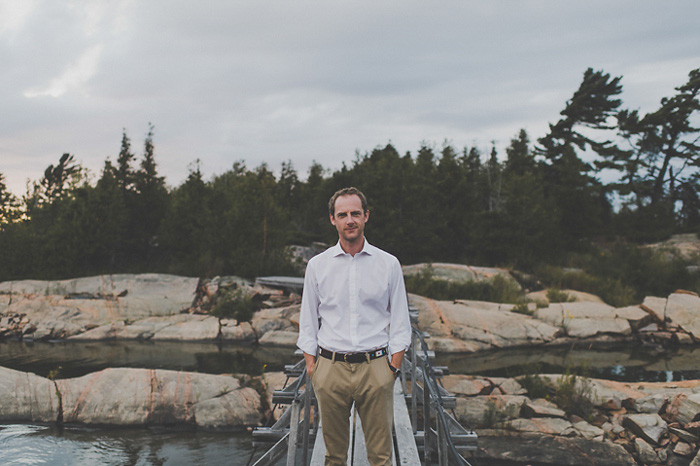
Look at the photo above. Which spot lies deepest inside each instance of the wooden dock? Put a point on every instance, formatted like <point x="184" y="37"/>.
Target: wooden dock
<point x="424" y="431"/>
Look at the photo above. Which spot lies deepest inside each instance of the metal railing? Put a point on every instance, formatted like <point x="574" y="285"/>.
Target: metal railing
<point x="442" y="439"/>
<point x="292" y="430"/>
<point x="443" y="436"/>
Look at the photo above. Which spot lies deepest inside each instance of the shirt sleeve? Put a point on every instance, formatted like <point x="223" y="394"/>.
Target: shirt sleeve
<point x="308" y="317"/>
<point x="400" y="327"/>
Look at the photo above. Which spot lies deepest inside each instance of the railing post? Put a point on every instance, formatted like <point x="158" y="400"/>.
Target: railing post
<point x="308" y="392"/>
<point x="427" y="434"/>
<point x="293" y="432"/>
<point x="441" y="442"/>
<point x="414" y="384"/>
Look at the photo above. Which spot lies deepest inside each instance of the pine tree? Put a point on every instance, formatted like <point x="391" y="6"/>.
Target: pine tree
<point x="664" y="159"/>
<point x="124" y="170"/>
<point x="9" y="208"/>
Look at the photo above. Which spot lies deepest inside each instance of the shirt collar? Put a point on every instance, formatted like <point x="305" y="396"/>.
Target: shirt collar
<point x="366" y="249"/>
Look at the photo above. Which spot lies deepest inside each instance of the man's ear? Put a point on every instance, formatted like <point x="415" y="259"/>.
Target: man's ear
<point x="332" y="220"/>
<point x="366" y="216"/>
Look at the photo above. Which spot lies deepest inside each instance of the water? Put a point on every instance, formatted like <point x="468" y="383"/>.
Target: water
<point x="49" y="445"/>
<point x="64" y="359"/>
<point x="72" y="446"/>
<point x="624" y="363"/>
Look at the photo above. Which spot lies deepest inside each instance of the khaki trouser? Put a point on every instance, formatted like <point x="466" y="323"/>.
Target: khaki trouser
<point x="370" y="385"/>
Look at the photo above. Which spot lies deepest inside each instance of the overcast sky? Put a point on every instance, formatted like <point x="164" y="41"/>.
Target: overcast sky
<point x="271" y="81"/>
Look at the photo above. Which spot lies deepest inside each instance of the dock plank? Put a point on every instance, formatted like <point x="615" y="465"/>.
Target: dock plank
<point x="405" y="441"/>
<point x="360" y="456"/>
<point x="318" y="457"/>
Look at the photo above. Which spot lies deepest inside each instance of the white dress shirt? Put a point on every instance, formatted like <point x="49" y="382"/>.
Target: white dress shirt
<point x="361" y="302"/>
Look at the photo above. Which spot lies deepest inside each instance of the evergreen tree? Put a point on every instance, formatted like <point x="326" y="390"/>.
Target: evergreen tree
<point x="148" y="204"/>
<point x="423" y="207"/>
<point x="124" y="170"/>
<point x="251" y="230"/>
<point x="146" y="179"/>
<point x="288" y="190"/>
<point x="57" y="181"/>
<point x="107" y="220"/>
<point x="495" y="182"/>
<point x="530" y="223"/>
<point x="580" y="199"/>
<point x="9" y="206"/>
<point x="663" y="164"/>
<point x="381" y="176"/>
<point x="186" y="232"/>
<point x="310" y="209"/>
<point x="452" y="195"/>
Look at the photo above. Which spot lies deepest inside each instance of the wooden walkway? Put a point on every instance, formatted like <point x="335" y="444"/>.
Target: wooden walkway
<point x="424" y="432"/>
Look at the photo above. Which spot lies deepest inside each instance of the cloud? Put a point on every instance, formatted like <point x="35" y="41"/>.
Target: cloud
<point x="313" y="80"/>
<point x="73" y="77"/>
<point x="14" y="14"/>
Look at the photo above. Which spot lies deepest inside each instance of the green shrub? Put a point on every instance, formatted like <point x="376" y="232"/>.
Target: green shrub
<point x="536" y="386"/>
<point x="612" y="290"/>
<point x="522" y="308"/>
<point x="493" y="416"/>
<point x="555" y="295"/>
<point x="234" y="305"/>
<point x="623" y="274"/>
<point x="574" y="395"/>
<point x="498" y="290"/>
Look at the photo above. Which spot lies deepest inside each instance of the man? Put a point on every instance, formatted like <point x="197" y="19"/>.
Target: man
<point x="358" y="293"/>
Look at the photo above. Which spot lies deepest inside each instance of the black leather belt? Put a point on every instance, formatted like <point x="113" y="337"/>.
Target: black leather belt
<point x="353" y="357"/>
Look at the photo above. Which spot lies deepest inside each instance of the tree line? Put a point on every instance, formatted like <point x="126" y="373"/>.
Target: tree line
<point x="603" y="175"/>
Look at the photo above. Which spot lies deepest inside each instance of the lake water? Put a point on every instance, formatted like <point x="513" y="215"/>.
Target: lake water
<point x="49" y="445"/>
<point x="73" y="446"/>
<point x="625" y="363"/>
<point x="73" y="359"/>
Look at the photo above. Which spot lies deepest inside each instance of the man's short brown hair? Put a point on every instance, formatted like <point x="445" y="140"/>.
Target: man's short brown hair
<point x="346" y="192"/>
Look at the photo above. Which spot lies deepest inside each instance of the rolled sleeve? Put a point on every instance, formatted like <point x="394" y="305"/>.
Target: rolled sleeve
<point x="308" y="317"/>
<point x="400" y="328"/>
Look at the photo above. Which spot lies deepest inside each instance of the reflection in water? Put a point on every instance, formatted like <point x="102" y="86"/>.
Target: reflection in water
<point x="40" y="445"/>
<point x="629" y="363"/>
<point x="74" y="359"/>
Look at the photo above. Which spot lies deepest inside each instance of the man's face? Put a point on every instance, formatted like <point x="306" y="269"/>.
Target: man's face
<point x="349" y="218"/>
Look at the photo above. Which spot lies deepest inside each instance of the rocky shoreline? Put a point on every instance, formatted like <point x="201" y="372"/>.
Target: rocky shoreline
<point x="546" y="419"/>
<point x="120" y="397"/>
<point x="166" y="307"/>
<point x="525" y="420"/>
<point x="625" y="423"/>
<point x="141" y="307"/>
